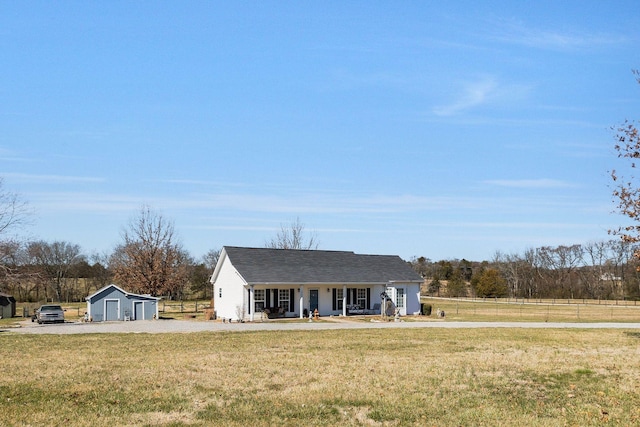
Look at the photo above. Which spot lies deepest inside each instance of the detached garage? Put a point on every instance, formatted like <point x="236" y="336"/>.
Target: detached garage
<point x="113" y="303"/>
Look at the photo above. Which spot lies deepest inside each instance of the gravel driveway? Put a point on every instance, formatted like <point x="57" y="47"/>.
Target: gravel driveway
<point x="185" y="326"/>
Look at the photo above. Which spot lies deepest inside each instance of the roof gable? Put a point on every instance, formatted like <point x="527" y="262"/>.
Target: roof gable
<point x="264" y="265"/>
<point x="122" y="291"/>
<point x="6" y="299"/>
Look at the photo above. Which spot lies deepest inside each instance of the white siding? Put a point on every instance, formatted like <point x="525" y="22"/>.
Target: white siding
<point x="411" y="293"/>
<point x="413" y="298"/>
<point x="231" y="286"/>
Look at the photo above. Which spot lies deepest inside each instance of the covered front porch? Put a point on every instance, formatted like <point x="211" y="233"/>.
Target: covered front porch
<point x="285" y="300"/>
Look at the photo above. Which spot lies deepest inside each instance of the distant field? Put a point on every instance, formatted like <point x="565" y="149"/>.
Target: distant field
<point x="536" y="310"/>
<point x="399" y="377"/>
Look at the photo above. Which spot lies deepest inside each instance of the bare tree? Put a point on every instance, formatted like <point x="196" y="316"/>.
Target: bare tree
<point x="594" y="274"/>
<point x="10" y="252"/>
<point x="16" y="276"/>
<point x="102" y="275"/>
<point x="622" y="266"/>
<point x="559" y="269"/>
<point x="210" y="259"/>
<point x="626" y="191"/>
<point x="293" y="236"/>
<point x="423" y="266"/>
<point x="14" y="212"/>
<point x="150" y="259"/>
<point x="528" y="283"/>
<point x="54" y="261"/>
<point x="200" y="274"/>
<point x="513" y="268"/>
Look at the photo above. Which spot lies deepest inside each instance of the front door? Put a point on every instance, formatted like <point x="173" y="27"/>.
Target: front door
<point x="313" y="300"/>
<point x="138" y="310"/>
<point x="111" y="310"/>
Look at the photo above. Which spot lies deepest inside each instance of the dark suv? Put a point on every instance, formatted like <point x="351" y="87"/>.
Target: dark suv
<point x="49" y="314"/>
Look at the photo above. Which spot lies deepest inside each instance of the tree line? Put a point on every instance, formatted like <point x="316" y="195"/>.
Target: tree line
<point x="59" y="271"/>
<point x="597" y="270"/>
<point x="149" y="260"/>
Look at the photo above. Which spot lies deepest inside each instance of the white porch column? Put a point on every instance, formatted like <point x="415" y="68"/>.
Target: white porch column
<point x="252" y="305"/>
<point x="344" y="300"/>
<point x="301" y="300"/>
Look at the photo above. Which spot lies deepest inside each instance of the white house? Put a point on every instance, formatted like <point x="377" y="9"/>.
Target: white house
<point x="293" y="283"/>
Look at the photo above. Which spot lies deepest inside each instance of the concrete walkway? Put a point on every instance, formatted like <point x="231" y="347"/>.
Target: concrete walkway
<point x="186" y="326"/>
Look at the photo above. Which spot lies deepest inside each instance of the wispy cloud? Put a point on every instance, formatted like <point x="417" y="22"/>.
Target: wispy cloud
<point x="483" y="91"/>
<point x="9" y="155"/>
<point x="93" y="203"/>
<point x="187" y="181"/>
<point x="485" y="120"/>
<point x="288" y="204"/>
<point x="34" y="178"/>
<point x="515" y="32"/>
<point x="317" y="203"/>
<point x="530" y="183"/>
<point x="513" y="225"/>
<point x="199" y="183"/>
<point x="473" y="95"/>
<point x="300" y="202"/>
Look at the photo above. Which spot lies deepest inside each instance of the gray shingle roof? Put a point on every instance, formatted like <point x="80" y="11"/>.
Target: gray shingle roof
<point x="263" y="265"/>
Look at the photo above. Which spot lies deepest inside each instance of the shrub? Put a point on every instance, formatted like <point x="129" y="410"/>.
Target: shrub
<point x="426" y="309"/>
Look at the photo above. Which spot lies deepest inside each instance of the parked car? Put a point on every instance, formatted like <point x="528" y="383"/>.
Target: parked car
<point x="49" y="313"/>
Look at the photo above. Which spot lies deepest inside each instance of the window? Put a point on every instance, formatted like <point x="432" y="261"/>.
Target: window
<point x="283" y="299"/>
<point x="339" y="298"/>
<point x="258" y="299"/>
<point x="362" y="298"/>
<point x="400" y="297"/>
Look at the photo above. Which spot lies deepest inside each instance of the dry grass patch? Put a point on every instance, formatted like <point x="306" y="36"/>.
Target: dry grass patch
<point x="543" y="311"/>
<point x="365" y="377"/>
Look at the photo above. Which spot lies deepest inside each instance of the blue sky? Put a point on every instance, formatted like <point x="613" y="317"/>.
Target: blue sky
<point x="412" y="128"/>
